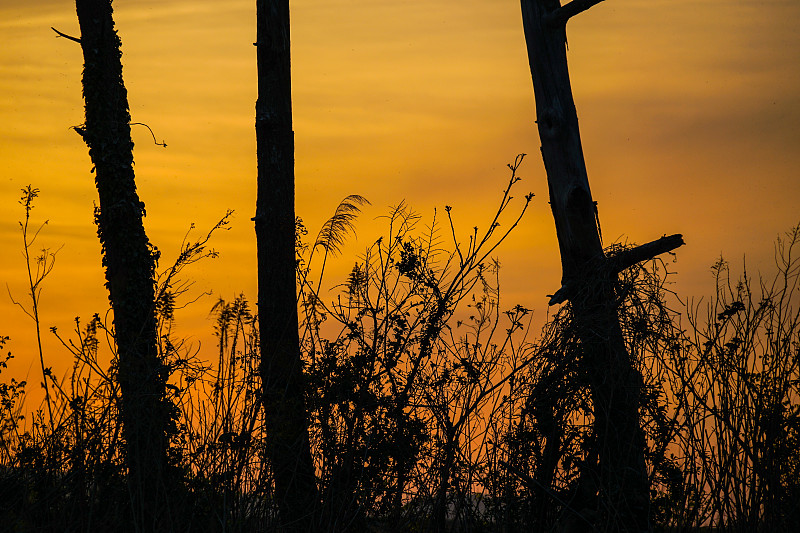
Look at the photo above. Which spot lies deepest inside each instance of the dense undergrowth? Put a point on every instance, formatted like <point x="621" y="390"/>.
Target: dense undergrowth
<point x="432" y="406"/>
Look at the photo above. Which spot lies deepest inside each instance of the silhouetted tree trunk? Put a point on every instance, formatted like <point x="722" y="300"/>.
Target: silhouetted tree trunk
<point x="281" y="367"/>
<point x="129" y="260"/>
<point x="588" y="275"/>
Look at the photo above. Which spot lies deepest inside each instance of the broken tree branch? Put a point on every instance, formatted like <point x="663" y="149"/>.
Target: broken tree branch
<point x="567" y="11"/>
<point x="614" y="264"/>
<point x="627" y="258"/>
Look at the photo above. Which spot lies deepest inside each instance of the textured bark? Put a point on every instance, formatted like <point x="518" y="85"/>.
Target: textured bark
<point x="129" y="267"/>
<point x="622" y="495"/>
<point x="281" y="367"/>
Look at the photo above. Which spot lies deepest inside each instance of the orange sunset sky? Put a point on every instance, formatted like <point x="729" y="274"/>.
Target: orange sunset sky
<point x="689" y="110"/>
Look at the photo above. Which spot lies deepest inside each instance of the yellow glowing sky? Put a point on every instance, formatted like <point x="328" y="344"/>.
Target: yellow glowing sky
<point x="689" y="109"/>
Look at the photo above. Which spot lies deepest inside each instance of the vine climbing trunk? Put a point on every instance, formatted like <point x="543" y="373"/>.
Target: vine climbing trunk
<point x="129" y="261"/>
<point x="281" y="366"/>
<point x="622" y="496"/>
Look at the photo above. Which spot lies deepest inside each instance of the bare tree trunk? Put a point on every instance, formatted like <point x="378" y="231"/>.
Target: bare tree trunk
<point x="587" y="276"/>
<point x="130" y="264"/>
<point x="281" y="365"/>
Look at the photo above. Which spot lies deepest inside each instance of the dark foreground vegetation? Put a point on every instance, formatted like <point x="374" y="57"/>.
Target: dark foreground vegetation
<point x="407" y="397"/>
<point x="432" y="406"/>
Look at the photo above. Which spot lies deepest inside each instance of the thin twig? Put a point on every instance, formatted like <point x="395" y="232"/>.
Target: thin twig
<point x="162" y="143"/>
<point x="65" y="36"/>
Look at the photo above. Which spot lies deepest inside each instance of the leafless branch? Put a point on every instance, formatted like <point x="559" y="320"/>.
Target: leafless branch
<point x="645" y="252"/>
<point x="567" y="11"/>
<point x="622" y="260"/>
<point x="162" y="143"/>
<point x="65" y="36"/>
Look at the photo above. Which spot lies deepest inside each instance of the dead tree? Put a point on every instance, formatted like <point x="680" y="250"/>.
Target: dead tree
<point x="129" y="261"/>
<point x="589" y="276"/>
<point x="281" y="366"/>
